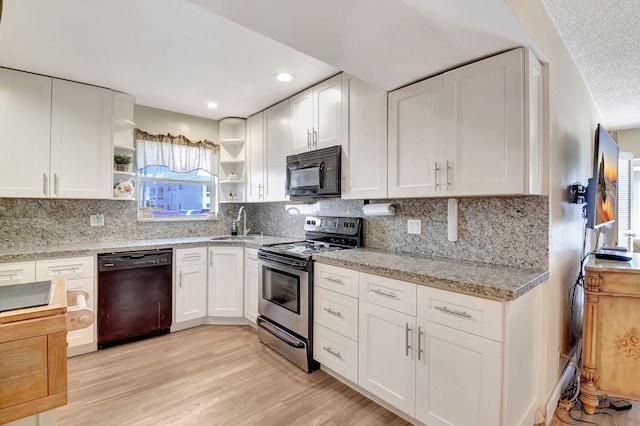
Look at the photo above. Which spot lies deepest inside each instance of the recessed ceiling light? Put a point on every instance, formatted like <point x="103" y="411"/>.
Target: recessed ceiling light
<point x="283" y="76"/>
<point x="212" y="105"/>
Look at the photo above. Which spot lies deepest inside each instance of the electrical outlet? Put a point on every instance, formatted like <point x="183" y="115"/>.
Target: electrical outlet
<point x="414" y="226"/>
<point x="96" y="219"/>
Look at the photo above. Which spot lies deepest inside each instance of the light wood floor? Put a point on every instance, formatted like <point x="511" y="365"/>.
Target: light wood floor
<point x="208" y="375"/>
<point x="603" y="416"/>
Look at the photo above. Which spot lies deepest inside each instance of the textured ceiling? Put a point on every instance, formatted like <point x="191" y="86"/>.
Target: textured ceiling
<point x="603" y="37"/>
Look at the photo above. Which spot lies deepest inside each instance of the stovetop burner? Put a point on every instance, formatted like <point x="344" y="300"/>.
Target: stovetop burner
<point x="323" y="234"/>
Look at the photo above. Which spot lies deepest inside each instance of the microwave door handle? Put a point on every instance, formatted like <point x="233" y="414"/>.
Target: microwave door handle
<point x="321" y="175"/>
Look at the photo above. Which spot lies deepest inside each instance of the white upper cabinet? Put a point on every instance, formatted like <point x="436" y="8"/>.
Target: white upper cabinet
<point x="277" y="140"/>
<point x="81" y="144"/>
<point x="486" y="126"/>
<point x="415" y="139"/>
<point x="316" y="117"/>
<point x="56" y="138"/>
<point x="25" y="123"/>
<point x="364" y="139"/>
<point x="255" y="151"/>
<point x="475" y="130"/>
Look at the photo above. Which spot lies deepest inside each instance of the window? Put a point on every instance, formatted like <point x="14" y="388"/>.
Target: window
<point x="178" y="178"/>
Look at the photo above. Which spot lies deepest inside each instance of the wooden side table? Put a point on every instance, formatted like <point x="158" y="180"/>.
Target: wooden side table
<point x="611" y="333"/>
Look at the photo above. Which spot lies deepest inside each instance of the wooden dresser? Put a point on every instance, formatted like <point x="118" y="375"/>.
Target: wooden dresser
<point x="33" y="357"/>
<point x="611" y="334"/>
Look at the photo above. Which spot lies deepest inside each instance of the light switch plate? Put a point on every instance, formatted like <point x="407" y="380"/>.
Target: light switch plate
<point x="96" y="219"/>
<point x="414" y="226"/>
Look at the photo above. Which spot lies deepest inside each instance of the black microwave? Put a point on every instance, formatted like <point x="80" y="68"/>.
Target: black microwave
<point x="314" y="173"/>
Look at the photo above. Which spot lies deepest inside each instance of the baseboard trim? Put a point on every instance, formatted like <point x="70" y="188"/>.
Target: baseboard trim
<point x="563" y="381"/>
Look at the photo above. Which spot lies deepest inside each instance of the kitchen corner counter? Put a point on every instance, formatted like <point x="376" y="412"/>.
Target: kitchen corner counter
<point x="496" y="282"/>
<point x="88" y="249"/>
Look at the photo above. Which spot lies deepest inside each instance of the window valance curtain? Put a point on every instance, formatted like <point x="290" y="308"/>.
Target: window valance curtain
<point x="177" y="153"/>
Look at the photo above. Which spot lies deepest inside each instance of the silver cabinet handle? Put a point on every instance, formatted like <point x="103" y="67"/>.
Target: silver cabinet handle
<point x="407" y="329"/>
<point x="435" y="176"/>
<point x="253" y="258"/>
<point x="70" y="270"/>
<point x="308" y="138"/>
<point x="7" y="276"/>
<point x="452" y="312"/>
<point x="260" y="190"/>
<point x="211" y="263"/>
<point x="420" y="333"/>
<point x="448" y="168"/>
<point x="384" y="293"/>
<point x="332" y="312"/>
<point x="180" y="279"/>
<point x="336" y="354"/>
<point x="188" y="257"/>
<point x="315" y="137"/>
<point x="334" y="280"/>
<point x="56" y="183"/>
<point x="45" y="184"/>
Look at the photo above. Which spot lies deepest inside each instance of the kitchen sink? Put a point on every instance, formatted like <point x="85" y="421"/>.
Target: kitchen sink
<point x="235" y="237"/>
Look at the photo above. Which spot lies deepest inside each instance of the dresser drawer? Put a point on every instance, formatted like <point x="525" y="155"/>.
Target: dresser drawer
<point x="70" y="268"/>
<point x="191" y="256"/>
<point x="474" y="315"/>
<point x="336" y="352"/>
<point x="393" y="294"/>
<point x="338" y="279"/>
<point x="336" y="311"/>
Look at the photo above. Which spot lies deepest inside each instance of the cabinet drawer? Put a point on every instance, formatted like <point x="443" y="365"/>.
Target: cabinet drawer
<point x="338" y="279"/>
<point x="336" y="311"/>
<point x="192" y="256"/>
<point x="474" y="315"/>
<point x="74" y="267"/>
<point x="336" y="352"/>
<point x="251" y="257"/>
<point x="393" y="294"/>
<point x="17" y="273"/>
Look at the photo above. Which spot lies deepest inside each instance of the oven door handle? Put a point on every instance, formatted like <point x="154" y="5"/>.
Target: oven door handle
<point x="276" y="330"/>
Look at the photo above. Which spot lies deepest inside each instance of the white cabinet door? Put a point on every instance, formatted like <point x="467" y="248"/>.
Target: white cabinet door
<point x="25" y="126"/>
<point x="484" y="125"/>
<point x="415" y="139"/>
<point x="81" y="145"/>
<point x="301" y="122"/>
<point x="255" y="151"/>
<point x="191" y="283"/>
<point x="458" y="378"/>
<point x="17" y="273"/>
<point x="327" y="113"/>
<point x="78" y="272"/>
<point x="226" y="281"/>
<point x="251" y="290"/>
<point x="364" y="140"/>
<point x="277" y="136"/>
<point x="386" y="355"/>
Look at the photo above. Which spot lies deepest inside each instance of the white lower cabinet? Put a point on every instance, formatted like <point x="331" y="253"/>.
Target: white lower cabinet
<point x="78" y="272"/>
<point x="226" y="282"/>
<point x="191" y="284"/>
<point x="440" y="357"/>
<point x="458" y="377"/>
<point x="251" y="290"/>
<point x="387" y="365"/>
<point x="17" y="273"/>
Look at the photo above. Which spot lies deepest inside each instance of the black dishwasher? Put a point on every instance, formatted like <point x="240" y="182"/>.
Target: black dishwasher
<point x="134" y="296"/>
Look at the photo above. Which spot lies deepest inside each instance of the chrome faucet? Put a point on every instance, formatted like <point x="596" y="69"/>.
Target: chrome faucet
<point x="245" y="231"/>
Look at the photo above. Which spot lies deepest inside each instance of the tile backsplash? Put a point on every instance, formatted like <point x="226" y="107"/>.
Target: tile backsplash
<point x="502" y="230"/>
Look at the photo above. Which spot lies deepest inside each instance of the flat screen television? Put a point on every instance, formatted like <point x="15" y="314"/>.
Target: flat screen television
<point x="602" y="189"/>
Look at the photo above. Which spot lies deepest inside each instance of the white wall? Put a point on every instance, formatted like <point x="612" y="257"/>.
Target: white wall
<point x="571" y="121"/>
<point x="158" y="121"/>
<point x="628" y="141"/>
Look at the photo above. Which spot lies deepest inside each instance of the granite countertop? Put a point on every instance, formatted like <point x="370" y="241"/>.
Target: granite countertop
<point x="479" y="279"/>
<point x="85" y="249"/>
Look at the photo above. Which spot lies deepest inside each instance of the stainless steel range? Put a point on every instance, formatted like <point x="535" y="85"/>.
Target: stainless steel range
<point x="285" y="305"/>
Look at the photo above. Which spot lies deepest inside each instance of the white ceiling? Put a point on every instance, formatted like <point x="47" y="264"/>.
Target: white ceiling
<point x="604" y="40"/>
<point x="178" y="55"/>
